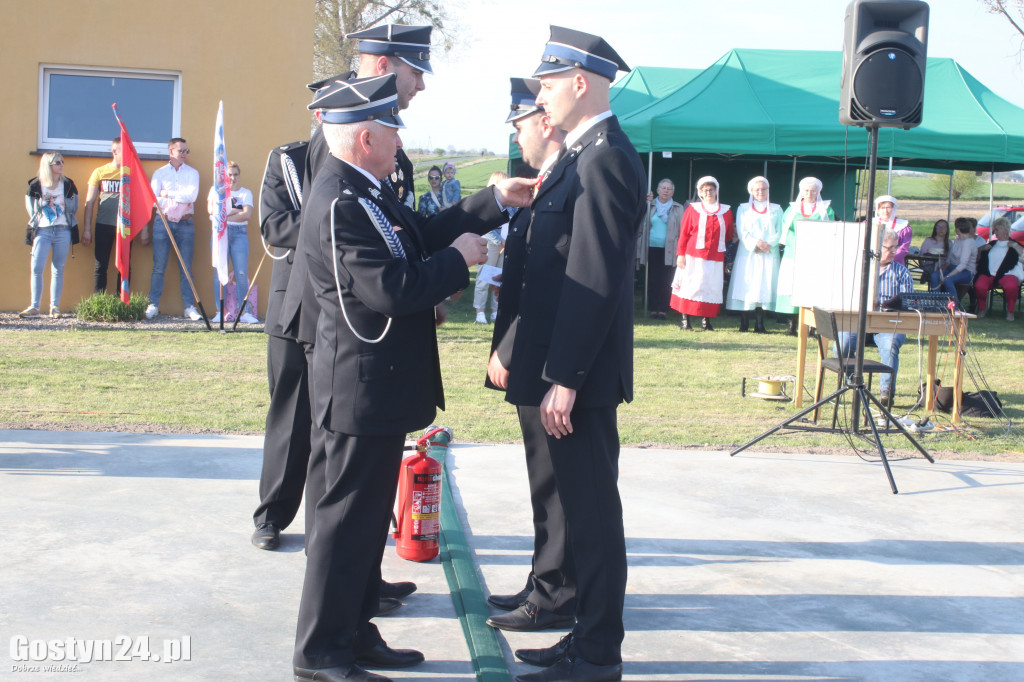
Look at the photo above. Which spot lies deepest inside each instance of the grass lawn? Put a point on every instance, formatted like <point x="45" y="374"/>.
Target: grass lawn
<point x="687" y="384"/>
<point x="921" y="188"/>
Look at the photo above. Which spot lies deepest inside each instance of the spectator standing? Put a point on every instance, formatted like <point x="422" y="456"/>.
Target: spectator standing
<point x="430" y="201"/>
<point x="238" y="243"/>
<point x="699" y="282"/>
<point x="656" y="246"/>
<point x="495" y="249"/>
<point x="752" y="285"/>
<point x="101" y="206"/>
<point x="885" y="219"/>
<point x="51" y="202"/>
<point x="808" y="206"/>
<point x="451" y="190"/>
<point x="176" y="187"/>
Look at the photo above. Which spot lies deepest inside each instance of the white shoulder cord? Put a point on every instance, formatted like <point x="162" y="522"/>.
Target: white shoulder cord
<point x="291" y="181"/>
<point x="394" y="246"/>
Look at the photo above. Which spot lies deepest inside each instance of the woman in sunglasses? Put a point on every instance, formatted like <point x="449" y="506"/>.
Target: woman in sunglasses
<point x="52" y="202"/>
<point x="430" y="201"/>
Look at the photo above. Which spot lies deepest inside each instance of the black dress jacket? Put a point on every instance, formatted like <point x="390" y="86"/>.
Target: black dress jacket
<point x="362" y="386"/>
<point x="574" y="324"/>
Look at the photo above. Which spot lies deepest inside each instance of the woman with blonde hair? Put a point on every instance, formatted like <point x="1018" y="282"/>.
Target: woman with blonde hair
<point x="51" y="202"/>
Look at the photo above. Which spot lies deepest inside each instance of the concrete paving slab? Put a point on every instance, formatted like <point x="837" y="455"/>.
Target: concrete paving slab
<point x="758" y="567"/>
<point x="112" y="535"/>
<point x="764" y="567"/>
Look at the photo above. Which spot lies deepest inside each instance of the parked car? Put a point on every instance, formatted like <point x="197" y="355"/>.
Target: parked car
<point x="1014" y="213"/>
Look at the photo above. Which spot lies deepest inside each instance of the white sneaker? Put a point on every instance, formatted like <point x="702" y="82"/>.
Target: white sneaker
<point x="481" y="318"/>
<point x="192" y="314"/>
<point x="494" y="315"/>
<point x="215" y="318"/>
<point x="151" y="311"/>
<point x="249" y="318"/>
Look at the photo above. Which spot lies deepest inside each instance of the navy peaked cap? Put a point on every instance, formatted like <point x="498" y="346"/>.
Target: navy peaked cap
<point x="359" y="99"/>
<point x="524" y="98"/>
<point x="568" y="49"/>
<point x="411" y="44"/>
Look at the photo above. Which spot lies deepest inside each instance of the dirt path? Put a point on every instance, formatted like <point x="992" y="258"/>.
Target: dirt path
<point x="933" y="210"/>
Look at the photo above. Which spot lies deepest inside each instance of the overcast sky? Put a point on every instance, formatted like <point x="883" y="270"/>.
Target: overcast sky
<point x="466" y="101"/>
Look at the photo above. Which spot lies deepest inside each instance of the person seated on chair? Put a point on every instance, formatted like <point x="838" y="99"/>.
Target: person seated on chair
<point x="935" y="245"/>
<point x="893" y="279"/>
<point x="961" y="263"/>
<point x="999" y="265"/>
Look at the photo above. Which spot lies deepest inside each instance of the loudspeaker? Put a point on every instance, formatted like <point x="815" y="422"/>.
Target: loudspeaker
<point x="885" y="44"/>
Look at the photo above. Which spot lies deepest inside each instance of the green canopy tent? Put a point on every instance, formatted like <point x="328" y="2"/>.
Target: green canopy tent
<point x="775" y="113"/>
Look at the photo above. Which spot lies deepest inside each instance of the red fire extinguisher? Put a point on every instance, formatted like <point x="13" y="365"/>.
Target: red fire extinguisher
<point x="418" y="506"/>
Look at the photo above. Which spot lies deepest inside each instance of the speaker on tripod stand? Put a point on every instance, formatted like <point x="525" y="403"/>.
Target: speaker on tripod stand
<point x="885" y="44"/>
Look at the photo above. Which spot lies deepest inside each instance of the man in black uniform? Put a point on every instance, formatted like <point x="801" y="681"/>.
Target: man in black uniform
<point x="571" y="362"/>
<point x="404" y="50"/>
<point x="286" y="438"/>
<point x="377" y="271"/>
<point x="548" y="600"/>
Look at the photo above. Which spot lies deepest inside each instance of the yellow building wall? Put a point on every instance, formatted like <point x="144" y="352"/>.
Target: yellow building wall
<point x="255" y="55"/>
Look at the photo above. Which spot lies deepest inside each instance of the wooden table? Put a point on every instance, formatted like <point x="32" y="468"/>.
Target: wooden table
<point x="895" y="322"/>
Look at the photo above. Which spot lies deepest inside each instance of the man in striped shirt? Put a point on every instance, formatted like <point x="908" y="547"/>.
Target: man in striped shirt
<point x="893" y="278"/>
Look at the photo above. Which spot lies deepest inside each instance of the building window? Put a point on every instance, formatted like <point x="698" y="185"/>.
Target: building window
<point x="75" y="113"/>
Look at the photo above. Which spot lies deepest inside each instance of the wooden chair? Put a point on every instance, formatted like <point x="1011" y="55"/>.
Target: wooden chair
<point x="825" y="321"/>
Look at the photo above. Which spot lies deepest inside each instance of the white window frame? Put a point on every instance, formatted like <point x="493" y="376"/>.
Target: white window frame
<point x="67" y="145"/>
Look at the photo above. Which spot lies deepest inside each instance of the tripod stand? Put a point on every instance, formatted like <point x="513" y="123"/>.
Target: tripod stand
<point x="861" y="395"/>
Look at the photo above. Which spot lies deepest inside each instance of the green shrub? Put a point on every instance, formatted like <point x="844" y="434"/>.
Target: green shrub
<point x="109" y="308"/>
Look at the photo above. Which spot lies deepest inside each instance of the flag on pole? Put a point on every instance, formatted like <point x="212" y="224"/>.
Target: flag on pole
<point x="134" y="205"/>
<point x="222" y="189"/>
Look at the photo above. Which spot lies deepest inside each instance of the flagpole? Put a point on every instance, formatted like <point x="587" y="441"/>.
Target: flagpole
<point x="252" y="283"/>
<point x="184" y="269"/>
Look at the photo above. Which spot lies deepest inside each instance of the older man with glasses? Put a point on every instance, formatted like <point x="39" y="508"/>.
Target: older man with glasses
<point x="893" y="279"/>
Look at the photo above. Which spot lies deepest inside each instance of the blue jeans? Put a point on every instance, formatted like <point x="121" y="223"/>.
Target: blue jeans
<point x="184" y="234"/>
<point x="57" y="239"/>
<point x="949" y="285"/>
<point x="888" y="352"/>
<point x="238" y="252"/>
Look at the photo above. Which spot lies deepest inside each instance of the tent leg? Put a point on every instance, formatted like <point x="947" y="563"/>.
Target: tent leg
<point x="949" y="203"/>
<point x="792" y="182"/>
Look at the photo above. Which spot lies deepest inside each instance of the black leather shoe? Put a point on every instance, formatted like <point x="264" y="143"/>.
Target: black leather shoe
<point x="266" y="536"/>
<point x="705" y="324"/>
<point x="574" y="670"/>
<point x="347" y="673"/>
<point x="386" y="606"/>
<point x="383" y="656"/>
<point x="507" y="602"/>
<point x="684" y="323"/>
<point x="744" y="323"/>
<point x="528" y="618"/>
<point x="396" y="590"/>
<point x="545" y="658"/>
<point x="759" y="328"/>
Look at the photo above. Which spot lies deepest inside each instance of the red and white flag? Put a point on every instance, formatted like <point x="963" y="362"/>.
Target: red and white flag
<point x="222" y="189"/>
<point x="134" y="207"/>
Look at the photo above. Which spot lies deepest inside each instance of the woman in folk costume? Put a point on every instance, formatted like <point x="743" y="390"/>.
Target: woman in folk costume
<point x="752" y="286"/>
<point x="809" y="206"/>
<point x="700" y="256"/>
<point x="885" y="218"/>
